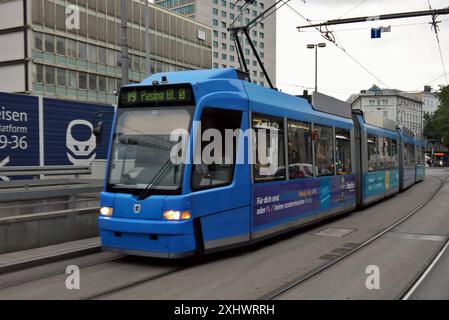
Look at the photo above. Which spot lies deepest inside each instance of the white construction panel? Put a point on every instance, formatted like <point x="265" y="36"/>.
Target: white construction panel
<point x="11" y="14"/>
<point x="12" y="45"/>
<point x="15" y="76"/>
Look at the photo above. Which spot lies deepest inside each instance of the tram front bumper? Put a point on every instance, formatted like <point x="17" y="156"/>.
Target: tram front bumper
<point x="153" y="238"/>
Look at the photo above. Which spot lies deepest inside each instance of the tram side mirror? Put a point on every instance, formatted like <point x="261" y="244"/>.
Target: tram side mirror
<point x="97" y="130"/>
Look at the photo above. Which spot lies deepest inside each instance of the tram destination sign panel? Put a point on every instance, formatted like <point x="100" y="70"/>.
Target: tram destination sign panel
<point x="156" y="95"/>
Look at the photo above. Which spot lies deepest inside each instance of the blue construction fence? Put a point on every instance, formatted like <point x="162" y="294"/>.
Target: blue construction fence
<point x="39" y="131"/>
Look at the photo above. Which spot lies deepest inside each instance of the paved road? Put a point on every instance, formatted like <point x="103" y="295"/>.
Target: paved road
<point x="255" y="271"/>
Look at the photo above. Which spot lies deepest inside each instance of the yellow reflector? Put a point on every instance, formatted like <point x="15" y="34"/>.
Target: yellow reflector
<point x="186" y="215"/>
<point x="106" y="211"/>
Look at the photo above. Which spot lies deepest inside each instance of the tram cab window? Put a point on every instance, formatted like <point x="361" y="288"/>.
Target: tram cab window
<point x="268" y="148"/>
<point x="324" y="151"/>
<point x="217" y="162"/>
<point x="343" y="151"/>
<point x="373" y="153"/>
<point x="299" y="150"/>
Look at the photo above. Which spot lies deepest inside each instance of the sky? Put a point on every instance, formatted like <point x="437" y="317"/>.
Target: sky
<point x="407" y="58"/>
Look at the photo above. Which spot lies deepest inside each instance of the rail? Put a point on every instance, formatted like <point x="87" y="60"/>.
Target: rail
<point x="39" y="171"/>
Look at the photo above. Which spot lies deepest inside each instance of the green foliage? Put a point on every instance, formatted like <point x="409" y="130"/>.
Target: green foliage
<point x="437" y="125"/>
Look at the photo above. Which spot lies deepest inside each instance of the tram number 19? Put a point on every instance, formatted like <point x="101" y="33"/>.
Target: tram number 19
<point x="14" y="142"/>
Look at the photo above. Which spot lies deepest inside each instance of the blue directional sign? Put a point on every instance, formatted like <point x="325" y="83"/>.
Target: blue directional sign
<point x="376" y="33"/>
<point x="68" y="137"/>
<point x="19" y="130"/>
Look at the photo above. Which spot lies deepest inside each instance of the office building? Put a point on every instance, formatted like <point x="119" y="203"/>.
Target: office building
<point x="72" y="49"/>
<point x="220" y="14"/>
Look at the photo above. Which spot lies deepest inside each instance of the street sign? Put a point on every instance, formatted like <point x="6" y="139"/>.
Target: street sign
<point x="68" y="135"/>
<point x="376" y="33"/>
<point x="19" y="130"/>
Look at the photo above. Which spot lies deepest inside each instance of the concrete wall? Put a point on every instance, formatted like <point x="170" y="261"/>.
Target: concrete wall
<point x="38" y="230"/>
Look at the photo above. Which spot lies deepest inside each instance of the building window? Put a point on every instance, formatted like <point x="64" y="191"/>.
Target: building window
<point x="102" y="56"/>
<point x="215" y="11"/>
<point x="216" y="55"/>
<point x="223" y="56"/>
<point x="215" y="65"/>
<point x="231" y="47"/>
<point x="215" y="33"/>
<point x="223" y="46"/>
<point x="223" y="35"/>
<point x="111" y="58"/>
<point x="231" y="58"/>
<point x="38" y="41"/>
<point x="215" y="44"/>
<point x="60" y="46"/>
<point x="231" y="5"/>
<point x="38" y="75"/>
<point x="61" y="77"/>
<point x="82" y="80"/>
<point x="49" y="43"/>
<point x="215" y="1"/>
<point x="261" y="35"/>
<point x="262" y="25"/>
<point x="102" y="84"/>
<point x="92" y="53"/>
<point x="49" y="75"/>
<point x="223" y="14"/>
<point x="223" y="3"/>
<point x="72" y="79"/>
<point x="82" y="51"/>
<point x="232" y="16"/>
<point x="93" y="82"/>
<point x="223" y="25"/>
<point x="254" y="13"/>
<point x="215" y="22"/>
<point x="71" y="48"/>
<point x="261" y="45"/>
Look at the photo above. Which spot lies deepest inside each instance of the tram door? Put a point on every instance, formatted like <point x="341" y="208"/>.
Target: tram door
<point x="220" y="180"/>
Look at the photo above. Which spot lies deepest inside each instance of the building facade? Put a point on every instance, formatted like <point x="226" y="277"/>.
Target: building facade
<point x="72" y="48"/>
<point x="220" y="14"/>
<point x="403" y="108"/>
<point x="430" y="100"/>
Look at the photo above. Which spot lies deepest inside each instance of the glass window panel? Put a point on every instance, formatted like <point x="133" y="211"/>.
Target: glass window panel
<point x="60" y="46"/>
<point x="49" y="43"/>
<point x="49" y="75"/>
<point x="343" y="151"/>
<point x="71" y="48"/>
<point x="38" y="41"/>
<point x="38" y="74"/>
<point x="93" y="82"/>
<point x="82" y="77"/>
<point x="269" y="152"/>
<point x="61" y="77"/>
<point x="299" y="150"/>
<point x="324" y="151"/>
<point x="82" y="51"/>
<point x="72" y="79"/>
<point x="102" y="55"/>
<point x="92" y="53"/>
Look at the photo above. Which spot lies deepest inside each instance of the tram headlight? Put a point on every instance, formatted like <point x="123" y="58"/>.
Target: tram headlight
<point x="176" y="215"/>
<point x="106" y="211"/>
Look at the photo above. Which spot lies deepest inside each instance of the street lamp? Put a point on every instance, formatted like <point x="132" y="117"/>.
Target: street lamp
<point x="316" y="46"/>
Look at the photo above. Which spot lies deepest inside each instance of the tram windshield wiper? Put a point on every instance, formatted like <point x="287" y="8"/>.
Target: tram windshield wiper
<point x="155" y="179"/>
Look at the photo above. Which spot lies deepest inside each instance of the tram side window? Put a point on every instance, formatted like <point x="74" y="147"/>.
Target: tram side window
<point x="412" y="155"/>
<point x="381" y="147"/>
<point x="393" y="147"/>
<point x="373" y="153"/>
<point x="216" y="169"/>
<point x="324" y="151"/>
<point x="269" y="148"/>
<point x="343" y="148"/>
<point x="299" y="150"/>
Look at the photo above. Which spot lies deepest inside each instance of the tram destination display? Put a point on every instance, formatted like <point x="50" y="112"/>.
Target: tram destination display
<point x="156" y="95"/>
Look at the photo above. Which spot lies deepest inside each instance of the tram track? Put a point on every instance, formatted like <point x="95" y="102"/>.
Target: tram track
<point x="278" y="292"/>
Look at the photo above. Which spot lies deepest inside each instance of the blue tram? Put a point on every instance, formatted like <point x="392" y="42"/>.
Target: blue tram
<point x="172" y="190"/>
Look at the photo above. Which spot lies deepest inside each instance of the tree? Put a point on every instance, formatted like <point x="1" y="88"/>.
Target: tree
<point x="437" y="125"/>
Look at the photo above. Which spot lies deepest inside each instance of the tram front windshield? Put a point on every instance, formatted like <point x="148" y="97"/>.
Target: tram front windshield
<point x="141" y="149"/>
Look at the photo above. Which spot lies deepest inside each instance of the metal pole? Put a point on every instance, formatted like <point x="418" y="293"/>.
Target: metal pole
<point x="147" y="38"/>
<point x="125" y="58"/>
<point x="316" y="68"/>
